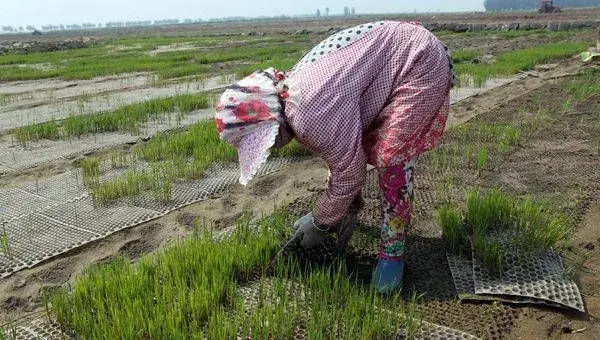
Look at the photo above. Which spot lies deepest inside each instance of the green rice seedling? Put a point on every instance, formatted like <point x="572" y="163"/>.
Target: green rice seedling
<point x="509" y="137"/>
<point x="495" y="209"/>
<point x="567" y="106"/>
<point x="445" y="185"/>
<point x="291" y="150"/>
<point x="221" y="325"/>
<point x="184" y="155"/>
<point x="511" y="63"/>
<point x="340" y="310"/>
<point x="469" y="156"/>
<point x="35" y="132"/>
<point x="5" y="242"/>
<point x="119" y="160"/>
<point x="177" y="289"/>
<point x="531" y="227"/>
<point x="536" y="119"/>
<point x="465" y="55"/>
<point x="586" y="86"/>
<point x="482" y="159"/>
<point x="453" y="230"/>
<point x="490" y="252"/>
<point x="127" y="118"/>
<point x="91" y="170"/>
<point x="455" y="156"/>
<point x="539" y="229"/>
<point x="575" y="262"/>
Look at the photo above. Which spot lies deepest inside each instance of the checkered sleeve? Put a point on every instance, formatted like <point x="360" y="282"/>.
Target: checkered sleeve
<point x="337" y="137"/>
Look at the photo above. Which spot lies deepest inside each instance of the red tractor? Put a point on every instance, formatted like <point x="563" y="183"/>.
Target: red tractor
<point x="547" y="6"/>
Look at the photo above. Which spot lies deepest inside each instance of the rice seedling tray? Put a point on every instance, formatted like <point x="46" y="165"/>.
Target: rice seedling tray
<point x="543" y="277"/>
<point x="462" y="274"/>
<point x="16" y="202"/>
<point x="52" y="216"/>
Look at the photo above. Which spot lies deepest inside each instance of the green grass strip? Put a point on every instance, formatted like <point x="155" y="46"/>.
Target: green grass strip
<point x="174" y="156"/>
<point x="531" y="226"/>
<point x="127" y="118"/>
<point x="189" y="291"/>
<point x="103" y="60"/>
<point x="511" y="63"/>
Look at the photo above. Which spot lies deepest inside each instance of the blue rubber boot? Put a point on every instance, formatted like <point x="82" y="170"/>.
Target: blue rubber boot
<point x="389" y="275"/>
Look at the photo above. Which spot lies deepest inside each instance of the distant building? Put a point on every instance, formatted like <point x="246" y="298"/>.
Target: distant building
<point x="515" y="5"/>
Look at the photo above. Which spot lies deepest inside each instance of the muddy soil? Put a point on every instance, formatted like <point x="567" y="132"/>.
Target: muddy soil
<point x="495" y="45"/>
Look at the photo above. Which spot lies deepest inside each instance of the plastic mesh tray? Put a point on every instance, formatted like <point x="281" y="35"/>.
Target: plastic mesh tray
<point x="35" y="238"/>
<point x="251" y="294"/>
<point x="539" y="280"/>
<point x="462" y="274"/>
<point x="542" y="278"/>
<point x="75" y="220"/>
<point x="16" y="202"/>
<point x="40" y="329"/>
<point x="100" y="220"/>
<point x="16" y="157"/>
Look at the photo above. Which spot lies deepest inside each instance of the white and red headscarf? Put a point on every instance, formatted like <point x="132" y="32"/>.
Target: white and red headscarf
<point x="248" y="117"/>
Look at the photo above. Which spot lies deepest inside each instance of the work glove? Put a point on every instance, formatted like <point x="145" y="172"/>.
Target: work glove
<point x="308" y="233"/>
<point x="349" y="224"/>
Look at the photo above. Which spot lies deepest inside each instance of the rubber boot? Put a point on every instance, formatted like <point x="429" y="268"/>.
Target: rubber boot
<point x="389" y="275"/>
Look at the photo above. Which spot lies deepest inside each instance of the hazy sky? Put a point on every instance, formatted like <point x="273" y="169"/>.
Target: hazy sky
<point x="42" y="12"/>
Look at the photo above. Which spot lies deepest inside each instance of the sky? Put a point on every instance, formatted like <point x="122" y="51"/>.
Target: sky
<point x="43" y="12"/>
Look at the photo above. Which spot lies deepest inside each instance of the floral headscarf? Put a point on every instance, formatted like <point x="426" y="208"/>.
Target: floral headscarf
<point x="248" y="116"/>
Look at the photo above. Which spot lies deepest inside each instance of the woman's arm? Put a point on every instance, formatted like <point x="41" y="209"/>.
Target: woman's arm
<point x="336" y="135"/>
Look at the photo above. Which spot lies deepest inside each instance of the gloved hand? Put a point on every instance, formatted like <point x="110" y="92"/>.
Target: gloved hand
<point x="308" y="233"/>
<point x="349" y="224"/>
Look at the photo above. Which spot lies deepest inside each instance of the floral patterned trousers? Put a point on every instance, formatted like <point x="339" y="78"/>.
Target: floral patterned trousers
<point x="397" y="196"/>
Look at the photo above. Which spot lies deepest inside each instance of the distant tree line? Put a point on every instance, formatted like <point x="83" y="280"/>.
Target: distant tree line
<point x="506" y="5"/>
<point x="347" y="11"/>
<point x="111" y="24"/>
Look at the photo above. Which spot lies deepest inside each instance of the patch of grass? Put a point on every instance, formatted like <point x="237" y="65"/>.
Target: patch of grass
<point x="176" y="156"/>
<point x="509" y="138"/>
<point x="106" y="59"/>
<point x="33" y="132"/>
<point x="453" y="230"/>
<point x="511" y="63"/>
<point x="465" y="55"/>
<point x="91" y="170"/>
<point x="127" y="118"/>
<point x="482" y="159"/>
<point x="5" y="242"/>
<point x="530" y="226"/>
<point x="586" y="86"/>
<point x="189" y="290"/>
